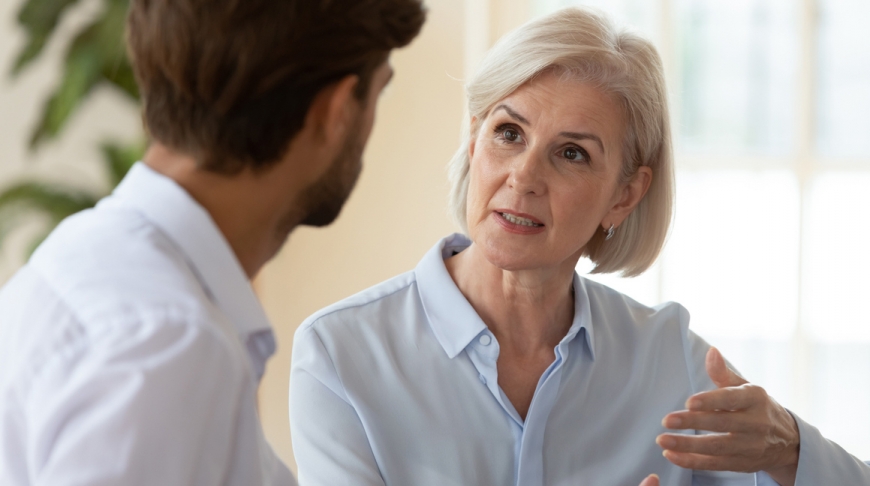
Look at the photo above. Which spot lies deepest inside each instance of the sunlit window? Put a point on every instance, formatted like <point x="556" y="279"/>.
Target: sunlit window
<point x="770" y="249"/>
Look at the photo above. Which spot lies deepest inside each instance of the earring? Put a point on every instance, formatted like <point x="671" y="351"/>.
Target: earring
<point x="610" y="231"/>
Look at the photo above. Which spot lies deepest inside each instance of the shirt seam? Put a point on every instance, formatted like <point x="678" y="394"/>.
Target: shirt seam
<point x="684" y="334"/>
<point x="82" y="338"/>
<point x="344" y="396"/>
<point x="316" y="320"/>
<point x="103" y="324"/>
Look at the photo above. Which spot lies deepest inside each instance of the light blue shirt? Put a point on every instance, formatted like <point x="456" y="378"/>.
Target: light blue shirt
<point x="131" y="347"/>
<point x="398" y="385"/>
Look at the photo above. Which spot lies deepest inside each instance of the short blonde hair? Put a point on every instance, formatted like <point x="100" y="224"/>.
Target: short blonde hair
<point x="586" y="47"/>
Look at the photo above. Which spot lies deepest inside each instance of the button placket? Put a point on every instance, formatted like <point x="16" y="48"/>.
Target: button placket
<point x="530" y="460"/>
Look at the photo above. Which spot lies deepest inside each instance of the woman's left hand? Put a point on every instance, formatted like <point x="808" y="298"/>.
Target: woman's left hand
<point x="754" y="433"/>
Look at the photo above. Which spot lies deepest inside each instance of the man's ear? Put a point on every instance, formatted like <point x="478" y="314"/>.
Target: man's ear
<point x="333" y="109"/>
<point x="630" y="196"/>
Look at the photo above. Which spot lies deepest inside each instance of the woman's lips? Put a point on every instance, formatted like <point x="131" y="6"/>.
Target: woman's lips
<point x="518" y="223"/>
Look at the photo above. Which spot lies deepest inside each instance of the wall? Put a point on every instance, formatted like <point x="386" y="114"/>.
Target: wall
<point x="396" y="213"/>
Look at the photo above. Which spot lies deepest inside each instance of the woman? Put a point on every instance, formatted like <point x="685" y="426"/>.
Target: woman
<point x="493" y="362"/>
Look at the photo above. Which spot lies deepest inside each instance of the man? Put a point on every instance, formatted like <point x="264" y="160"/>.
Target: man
<point x="131" y="344"/>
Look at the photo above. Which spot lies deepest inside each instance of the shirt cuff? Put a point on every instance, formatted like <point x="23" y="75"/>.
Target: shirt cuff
<point x="822" y="461"/>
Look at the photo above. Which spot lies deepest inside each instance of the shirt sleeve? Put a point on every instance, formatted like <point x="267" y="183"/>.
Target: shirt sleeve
<point x="329" y="440"/>
<point x="824" y="462"/>
<point x="134" y="404"/>
<point x="820" y="461"/>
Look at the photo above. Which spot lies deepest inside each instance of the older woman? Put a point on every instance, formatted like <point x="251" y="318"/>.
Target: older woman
<point x="493" y="362"/>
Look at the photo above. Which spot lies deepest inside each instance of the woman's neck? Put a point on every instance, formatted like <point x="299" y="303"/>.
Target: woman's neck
<point x="526" y="310"/>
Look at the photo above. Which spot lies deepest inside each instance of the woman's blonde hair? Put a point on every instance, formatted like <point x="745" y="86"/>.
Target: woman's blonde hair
<point x="586" y="47"/>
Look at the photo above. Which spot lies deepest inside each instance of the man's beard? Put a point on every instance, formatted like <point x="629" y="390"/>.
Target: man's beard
<point x="321" y="202"/>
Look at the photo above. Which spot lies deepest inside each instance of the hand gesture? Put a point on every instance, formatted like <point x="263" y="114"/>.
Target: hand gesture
<point x="754" y="433"/>
<point x="651" y="480"/>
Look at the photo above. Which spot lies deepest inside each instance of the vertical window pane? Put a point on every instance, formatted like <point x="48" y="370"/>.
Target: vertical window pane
<point x="841" y="395"/>
<point x="738" y="83"/>
<point x="732" y="257"/>
<point x="836" y="259"/>
<point x="844" y="78"/>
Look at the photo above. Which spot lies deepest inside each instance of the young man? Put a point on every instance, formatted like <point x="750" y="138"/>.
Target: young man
<point x="131" y="344"/>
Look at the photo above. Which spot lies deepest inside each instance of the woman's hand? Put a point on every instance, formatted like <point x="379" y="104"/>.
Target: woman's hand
<point x="651" y="480"/>
<point x="754" y="432"/>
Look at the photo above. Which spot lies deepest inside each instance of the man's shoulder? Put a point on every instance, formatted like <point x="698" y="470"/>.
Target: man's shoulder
<point x="373" y="306"/>
<point x="106" y="259"/>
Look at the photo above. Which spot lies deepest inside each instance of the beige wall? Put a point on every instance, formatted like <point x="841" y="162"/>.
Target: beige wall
<point x="397" y="212"/>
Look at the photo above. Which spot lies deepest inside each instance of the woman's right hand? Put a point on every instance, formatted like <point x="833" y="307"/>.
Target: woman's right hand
<point x="651" y="480"/>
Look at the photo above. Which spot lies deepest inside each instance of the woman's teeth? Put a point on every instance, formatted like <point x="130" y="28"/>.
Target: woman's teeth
<point x="518" y="220"/>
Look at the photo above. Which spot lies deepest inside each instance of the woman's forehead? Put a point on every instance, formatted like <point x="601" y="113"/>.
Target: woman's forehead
<point x="558" y="102"/>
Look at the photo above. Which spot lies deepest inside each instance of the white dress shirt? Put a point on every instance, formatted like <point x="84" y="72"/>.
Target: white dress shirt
<point x="398" y="385"/>
<point x="131" y="347"/>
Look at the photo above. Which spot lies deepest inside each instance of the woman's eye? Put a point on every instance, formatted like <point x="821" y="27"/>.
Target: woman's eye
<point x="506" y="132"/>
<point x="510" y="135"/>
<point x="573" y="153"/>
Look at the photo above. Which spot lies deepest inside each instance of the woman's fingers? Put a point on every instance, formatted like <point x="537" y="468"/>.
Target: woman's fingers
<point x="711" y="445"/>
<point x="651" y="480"/>
<point x="754" y="432"/>
<point x="719" y="372"/>
<point x="739" y="397"/>
<point x="702" y="462"/>
<point x="712" y="421"/>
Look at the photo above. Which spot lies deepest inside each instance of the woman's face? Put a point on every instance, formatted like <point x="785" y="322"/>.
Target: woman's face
<point x="544" y="174"/>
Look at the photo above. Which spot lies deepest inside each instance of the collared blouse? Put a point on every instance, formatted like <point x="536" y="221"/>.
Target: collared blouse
<point x="131" y="347"/>
<point x="398" y="385"/>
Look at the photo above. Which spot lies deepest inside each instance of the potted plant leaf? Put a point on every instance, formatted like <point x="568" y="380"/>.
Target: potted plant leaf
<point x="96" y="56"/>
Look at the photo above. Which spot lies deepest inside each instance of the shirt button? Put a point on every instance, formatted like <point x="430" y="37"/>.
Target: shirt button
<point x="483" y="379"/>
<point x="485" y="339"/>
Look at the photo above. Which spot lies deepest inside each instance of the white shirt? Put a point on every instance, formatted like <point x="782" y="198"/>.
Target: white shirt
<point x="131" y="347"/>
<point x="398" y="385"/>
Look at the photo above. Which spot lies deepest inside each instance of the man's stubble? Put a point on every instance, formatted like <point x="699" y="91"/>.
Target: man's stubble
<point x="321" y="202"/>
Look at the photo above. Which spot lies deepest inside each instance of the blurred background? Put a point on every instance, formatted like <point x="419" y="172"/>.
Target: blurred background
<point x="771" y="109"/>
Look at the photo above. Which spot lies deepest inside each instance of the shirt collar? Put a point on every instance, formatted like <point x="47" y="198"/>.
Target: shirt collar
<point x="169" y="207"/>
<point x="454" y="321"/>
<point x="582" y="316"/>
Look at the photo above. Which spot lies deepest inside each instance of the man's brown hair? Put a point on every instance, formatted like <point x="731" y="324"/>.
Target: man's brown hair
<point x="230" y="82"/>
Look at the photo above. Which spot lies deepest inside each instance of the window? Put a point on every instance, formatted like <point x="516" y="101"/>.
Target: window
<point x="770" y="249"/>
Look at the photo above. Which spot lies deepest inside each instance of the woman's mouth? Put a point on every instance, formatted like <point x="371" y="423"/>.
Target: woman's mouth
<point x="512" y="218"/>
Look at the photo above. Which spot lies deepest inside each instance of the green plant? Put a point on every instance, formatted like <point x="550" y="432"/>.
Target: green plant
<point x="95" y="57"/>
<point x="51" y="203"/>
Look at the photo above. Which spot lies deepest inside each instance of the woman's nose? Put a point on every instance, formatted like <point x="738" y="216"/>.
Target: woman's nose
<point x="526" y="174"/>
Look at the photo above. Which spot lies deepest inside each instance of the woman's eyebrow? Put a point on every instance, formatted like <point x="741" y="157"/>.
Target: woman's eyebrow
<point x="583" y="136"/>
<point x="572" y="135"/>
<point x="516" y="116"/>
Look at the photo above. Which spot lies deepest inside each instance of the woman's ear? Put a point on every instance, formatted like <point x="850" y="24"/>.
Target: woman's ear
<point x="333" y="110"/>
<point x="630" y="196"/>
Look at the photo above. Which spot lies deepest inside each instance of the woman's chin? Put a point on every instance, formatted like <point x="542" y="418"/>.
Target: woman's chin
<point x="519" y="254"/>
<point x="511" y="257"/>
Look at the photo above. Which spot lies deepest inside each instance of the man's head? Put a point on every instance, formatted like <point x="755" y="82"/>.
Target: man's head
<point x="261" y="108"/>
<point x="230" y="82"/>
